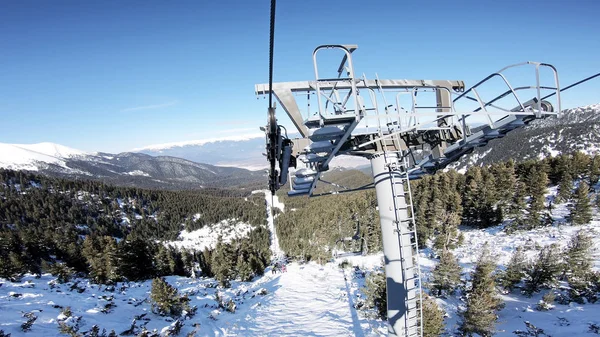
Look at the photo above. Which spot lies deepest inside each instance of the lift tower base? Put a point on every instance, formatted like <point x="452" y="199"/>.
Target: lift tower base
<point x="399" y="244"/>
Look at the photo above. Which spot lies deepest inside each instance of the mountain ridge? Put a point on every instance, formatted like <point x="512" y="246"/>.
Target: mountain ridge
<point x="124" y="169"/>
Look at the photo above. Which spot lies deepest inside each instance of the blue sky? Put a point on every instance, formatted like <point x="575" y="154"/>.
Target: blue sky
<point x="115" y="75"/>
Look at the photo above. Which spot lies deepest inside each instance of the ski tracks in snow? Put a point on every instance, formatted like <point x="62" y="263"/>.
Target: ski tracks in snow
<point x="308" y="300"/>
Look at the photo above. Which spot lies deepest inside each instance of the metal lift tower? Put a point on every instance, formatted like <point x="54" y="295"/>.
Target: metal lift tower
<point x="406" y="128"/>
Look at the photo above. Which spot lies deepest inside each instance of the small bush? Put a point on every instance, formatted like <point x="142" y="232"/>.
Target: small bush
<point x="375" y="291"/>
<point x="547" y="302"/>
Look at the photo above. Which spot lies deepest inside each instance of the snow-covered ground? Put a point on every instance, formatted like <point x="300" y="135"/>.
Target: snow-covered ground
<point x="564" y="320"/>
<point x="208" y="236"/>
<point x="307" y="300"/>
<point x="272" y="202"/>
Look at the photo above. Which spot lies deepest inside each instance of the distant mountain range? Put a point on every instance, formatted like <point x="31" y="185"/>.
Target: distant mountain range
<point x="229" y="161"/>
<point x="126" y="169"/>
<point x="242" y="151"/>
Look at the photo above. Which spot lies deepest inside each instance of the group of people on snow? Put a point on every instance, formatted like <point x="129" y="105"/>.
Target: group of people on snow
<point x="279" y="267"/>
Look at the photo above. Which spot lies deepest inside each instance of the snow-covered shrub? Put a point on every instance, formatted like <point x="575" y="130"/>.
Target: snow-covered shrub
<point x="547" y="302"/>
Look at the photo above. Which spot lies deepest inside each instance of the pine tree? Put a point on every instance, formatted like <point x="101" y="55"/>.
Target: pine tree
<point x="101" y="256"/>
<point x="515" y="270"/>
<point x="544" y="270"/>
<point x="471" y="196"/>
<point x="518" y="205"/>
<point x="446" y="274"/>
<point x="136" y="259"/>
<point x="433" y="317"/>
<point x="506" y="181"/>
<point x="537" y="181"/>
<point x="482" y="301"/>
<point x="578" y="267"/>
<point x="164" y="262"/>
<point x="166" y="300"/>
<point x="448" y="233"/>
<point x="565" y="188"/>
<point x="594" y="170"/>
<point x="582" y="209"/>
<point x="580" y="162"/>
<point x="579" y="259"/>
<point x="224" y="263"/>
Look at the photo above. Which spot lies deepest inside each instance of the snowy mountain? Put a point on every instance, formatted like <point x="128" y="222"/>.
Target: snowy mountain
<point x="243" y="151"/>
<point x="127" y="169"/>
<point x="240" y="151"/>
<point x="32" y="157"/>
<point x="576" y="129"/>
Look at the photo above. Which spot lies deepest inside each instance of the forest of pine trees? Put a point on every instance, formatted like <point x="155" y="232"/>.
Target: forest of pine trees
<point x="515" y="194"/>
<point x="110" y="233"/>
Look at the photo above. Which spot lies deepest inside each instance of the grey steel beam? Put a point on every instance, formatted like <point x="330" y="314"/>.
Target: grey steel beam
<point x="284" y="91"/>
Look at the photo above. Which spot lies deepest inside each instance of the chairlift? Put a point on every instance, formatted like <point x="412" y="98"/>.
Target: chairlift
<point x="342" y="245"/>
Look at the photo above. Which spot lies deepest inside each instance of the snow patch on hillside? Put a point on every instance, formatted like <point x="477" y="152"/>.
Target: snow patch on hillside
<point x="208" y="236"/>
<point x="138" y="173"/>
<point x="29" y="156"/>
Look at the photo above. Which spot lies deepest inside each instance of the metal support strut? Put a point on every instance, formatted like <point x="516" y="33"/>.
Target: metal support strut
<point x="399" y="245"/>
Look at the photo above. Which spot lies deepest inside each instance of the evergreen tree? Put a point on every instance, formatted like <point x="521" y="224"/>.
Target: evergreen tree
<point x="224" y="263"/>
<point x="506" y="182"/>
<point x="594" y="170"/>
<point x="471" y="196"/>
<point x="537" y="181"/>
<point x="448" y="233"/>
<point x="515" y="270"/>
<point x="166" y="300"/>
<point x="446" y="274"/>
<point x="578" y="268"/>
<point x="101" y="256"/>
<point x="164" y="262"/>
<point x="580" y="162"/>
<point x="581" y="213"/>
<point x="136" y="259"/>
<point x="433" y="317"/>
<point x="544" y="270"/>
<point x="565" y="188"/>
<point x="579" y="259"/>
<point x="518" y="205"/>
<point x="482" y="301"/>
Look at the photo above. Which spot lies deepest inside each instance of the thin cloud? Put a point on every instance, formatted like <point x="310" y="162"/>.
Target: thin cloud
<point x="149" y="107"/>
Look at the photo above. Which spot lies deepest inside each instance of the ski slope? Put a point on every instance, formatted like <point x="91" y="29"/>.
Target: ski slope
<point x="272" y="202"/>
<point x="307" y="300"/>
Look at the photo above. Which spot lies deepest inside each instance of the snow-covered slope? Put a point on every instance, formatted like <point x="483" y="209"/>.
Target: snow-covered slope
<point x="307" y="300"/>
<point x="564" y="320"/>
<point x="576" y="129"/>
<point x="33" y="156"/>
